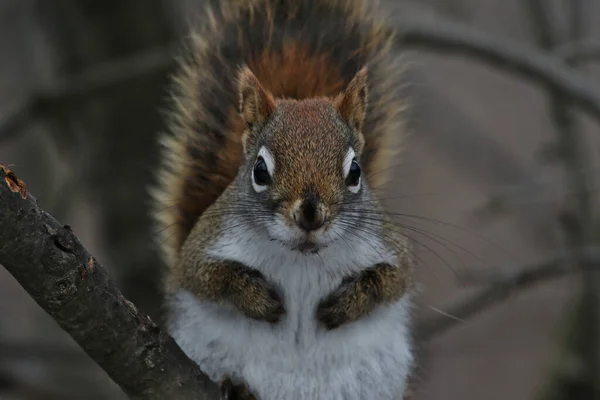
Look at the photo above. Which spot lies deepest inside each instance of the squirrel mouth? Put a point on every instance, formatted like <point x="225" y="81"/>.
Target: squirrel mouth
<point x="307" y="246"/>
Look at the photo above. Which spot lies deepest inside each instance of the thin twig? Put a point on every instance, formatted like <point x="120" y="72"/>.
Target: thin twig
<point x="501" y="286"/>
<point x="542" y="23"/>
<point x="570" y="144"/>
<point x="76" y="88"/>
<point x="51" y="264"/>
<point x="444" y="37"/>
<point x="579" y="52"/>
<point x="527" y="62"/>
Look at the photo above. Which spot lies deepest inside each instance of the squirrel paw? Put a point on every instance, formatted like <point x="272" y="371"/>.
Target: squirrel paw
<point x="346" y="304"/>
<point x="230" y="391"/>
<point x="261" y="301"/>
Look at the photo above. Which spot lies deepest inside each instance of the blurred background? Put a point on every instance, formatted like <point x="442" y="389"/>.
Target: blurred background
<point x="499" y="177"/>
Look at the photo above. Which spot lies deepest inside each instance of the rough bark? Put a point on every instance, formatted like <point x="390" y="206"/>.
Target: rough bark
<point x="50" y="263"/>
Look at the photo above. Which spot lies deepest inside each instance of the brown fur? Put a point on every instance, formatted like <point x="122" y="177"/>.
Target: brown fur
<point x="296" y="73"/>
<point x="304" y="123"/>
<point x="312" y="165"/>
<point x="188" y="182"/>
<point x="256" y="104"/>
<point x="359" y="295"/>
<point x="352" y="105"/>
<point x="236" y="284"/>
<point x="299" y="55"/>
<point x="231" y="391"/>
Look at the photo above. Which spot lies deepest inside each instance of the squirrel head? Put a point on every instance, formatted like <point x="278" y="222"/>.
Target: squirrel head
<point x="302" y="161"/>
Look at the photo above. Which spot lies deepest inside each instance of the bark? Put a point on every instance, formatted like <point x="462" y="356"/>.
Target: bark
<point x="50" y="263"/>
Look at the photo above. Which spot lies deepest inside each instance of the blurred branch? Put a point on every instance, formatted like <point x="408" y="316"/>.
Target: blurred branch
<point x="541" y="22"/>
<point x="581" y="341"/>
<point x="72" y="89"/>
<point x="579" y="52"/>
<point x="530" y="63"/>
<point x="444" y="37"/>
<point x="51" y="264"/>
<point x="570" y="145"/>
<point x="501" y="286"/>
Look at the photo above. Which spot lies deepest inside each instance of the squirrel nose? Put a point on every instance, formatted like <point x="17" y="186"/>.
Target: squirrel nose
<point x="308" y="216"/>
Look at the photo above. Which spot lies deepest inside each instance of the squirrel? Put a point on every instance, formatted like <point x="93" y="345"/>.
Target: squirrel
<point x="286" y="278"/>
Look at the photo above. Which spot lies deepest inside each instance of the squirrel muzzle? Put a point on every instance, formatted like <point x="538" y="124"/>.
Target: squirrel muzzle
<point x="309" y="213"/>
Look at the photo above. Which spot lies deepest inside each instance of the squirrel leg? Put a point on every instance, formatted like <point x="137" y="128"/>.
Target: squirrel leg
<point x="231" y="391"/>
<point x="234" y="283"/>
<point x="255" y="296"/>
<point x="360" y="294"/>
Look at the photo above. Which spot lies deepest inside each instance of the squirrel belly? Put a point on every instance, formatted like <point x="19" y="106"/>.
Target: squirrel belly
<point x="296" y="359"/>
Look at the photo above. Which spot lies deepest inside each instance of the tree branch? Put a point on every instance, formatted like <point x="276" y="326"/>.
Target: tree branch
<point x="527" y="62"/>
<point x="501" y="286"/>
<point x="73" y="89"/>
<point x="530" y="63"/>
<point x="579" y="52"/>
<point x="51" y="264"/>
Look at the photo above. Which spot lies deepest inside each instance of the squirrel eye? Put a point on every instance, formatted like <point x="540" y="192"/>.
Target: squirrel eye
<point x="261" y="173"/>
<point x="353" y="178"/>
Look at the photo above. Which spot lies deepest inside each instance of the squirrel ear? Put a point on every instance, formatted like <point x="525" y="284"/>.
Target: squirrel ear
<point x="352" y="104"/>
<point x="256" y="104"/>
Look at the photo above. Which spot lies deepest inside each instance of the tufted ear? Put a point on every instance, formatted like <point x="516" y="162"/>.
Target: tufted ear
<point x="352" y="104"/>
<point x="256" y="104"/>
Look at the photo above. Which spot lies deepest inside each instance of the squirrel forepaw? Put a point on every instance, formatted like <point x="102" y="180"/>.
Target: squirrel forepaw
<point x="262" y="301"/>
<point x="230" y="391"/>
<point x="337" y="308"/>
<point x="349" y="302"/>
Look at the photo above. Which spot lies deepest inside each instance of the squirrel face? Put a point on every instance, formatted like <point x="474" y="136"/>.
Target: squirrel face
<point x="302" y="161"/>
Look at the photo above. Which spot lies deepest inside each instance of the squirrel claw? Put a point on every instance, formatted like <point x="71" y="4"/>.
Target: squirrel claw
<point x="277" y="309"/>
<point x="330" y="315"/>
<point x="335" y="309"/>
<point x="226" y="389"/>
<point x="230" y="391"/>
<point x="265" y="304"/>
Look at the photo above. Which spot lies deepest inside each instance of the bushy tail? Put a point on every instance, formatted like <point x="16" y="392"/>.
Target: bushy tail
<point x="297" y="49"/>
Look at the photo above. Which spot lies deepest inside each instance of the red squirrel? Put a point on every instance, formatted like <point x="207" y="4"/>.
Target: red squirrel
<point x="286" y="278"/>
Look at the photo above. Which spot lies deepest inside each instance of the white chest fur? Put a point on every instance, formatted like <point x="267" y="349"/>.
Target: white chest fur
<point x="297" y="359"/>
